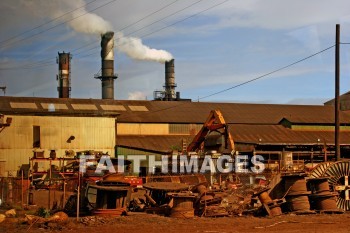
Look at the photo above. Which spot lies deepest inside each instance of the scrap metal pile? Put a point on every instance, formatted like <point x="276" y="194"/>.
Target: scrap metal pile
<point x="292" y="193"/>
<point x="324" y="190"/>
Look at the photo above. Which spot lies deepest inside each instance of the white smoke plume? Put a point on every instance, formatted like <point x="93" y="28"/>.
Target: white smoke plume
<point x="134" y="48"/>
<point x="83" y="21"/>
<point x="72" y="12"/>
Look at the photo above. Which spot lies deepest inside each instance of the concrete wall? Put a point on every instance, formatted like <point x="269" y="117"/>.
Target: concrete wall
<point x="16" y="141"/>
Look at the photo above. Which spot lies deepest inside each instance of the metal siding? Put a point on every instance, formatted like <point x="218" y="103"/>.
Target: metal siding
<point x="16" y="141"/>
<point x="14" y="158"/>
<point x="142" y="129"/>
<point x="18" y="135"/>
<point x="184" y="128"/>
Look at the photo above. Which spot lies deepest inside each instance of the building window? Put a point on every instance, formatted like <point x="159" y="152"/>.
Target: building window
<point x="36" y="136"/>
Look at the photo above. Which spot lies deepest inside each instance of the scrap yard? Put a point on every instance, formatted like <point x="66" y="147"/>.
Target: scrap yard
<point x="207" y="186"/>
<point x="258" y="140"/>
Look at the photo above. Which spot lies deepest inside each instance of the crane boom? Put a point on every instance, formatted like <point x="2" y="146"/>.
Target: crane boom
<point x="214" y="122"/>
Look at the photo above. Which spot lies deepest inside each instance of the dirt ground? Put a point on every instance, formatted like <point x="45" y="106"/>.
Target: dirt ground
<point x="148" y="223"/>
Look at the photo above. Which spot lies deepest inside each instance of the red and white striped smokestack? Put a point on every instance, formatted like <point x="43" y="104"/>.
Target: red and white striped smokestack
<point x="63" y="76"/>
<point x="107" y="65"/>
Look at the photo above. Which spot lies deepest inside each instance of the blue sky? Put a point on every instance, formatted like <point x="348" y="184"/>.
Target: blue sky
<point x="216" y="49"/>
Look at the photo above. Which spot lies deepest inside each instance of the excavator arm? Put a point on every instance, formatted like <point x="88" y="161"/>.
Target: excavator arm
<point x="215" y="121"/>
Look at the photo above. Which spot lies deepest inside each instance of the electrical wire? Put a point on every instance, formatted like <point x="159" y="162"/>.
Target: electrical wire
<point x="238" y="85"/>
<point x="97" y="47"/>
<point x="191" y="16"/>
<point x="267" y="74"/>
<point x="155" y="12"/>
<point x="48" y="22"/>
<point x="50" y="28"/>
<point x="153" y="32"/>
<point x="131" y="33"/>
<point x="86" y="45"/>
<point x="157" y="21"/>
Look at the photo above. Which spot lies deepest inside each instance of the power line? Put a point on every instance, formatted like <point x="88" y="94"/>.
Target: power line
<point x="48" y="29"/>
<point x="132" y="23"/>
<point x="157" y="21"/>
<point x="96" y="47"/>
<point x="174" y="13"/>
<point x="48" y="22"/>
<point x="148" y="34"/>
<point x="155" y="12"/>
<point x="191" y="16"/>
<point x="267" y="74"/>
<point x="241" y="84"/>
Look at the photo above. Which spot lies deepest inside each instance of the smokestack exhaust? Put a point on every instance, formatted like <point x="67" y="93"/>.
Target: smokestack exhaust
<point x="107" y="67"/>
<point x="63" y="77"/>
<point x="170" y="84"/>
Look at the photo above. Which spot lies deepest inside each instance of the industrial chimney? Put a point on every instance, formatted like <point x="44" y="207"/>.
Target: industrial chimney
<point x="107" y="75"/>
<point x="63" y="77"/>
<point x="170" y="84"/>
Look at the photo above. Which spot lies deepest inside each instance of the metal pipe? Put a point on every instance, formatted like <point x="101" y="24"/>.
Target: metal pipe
<point x="22" y="194"/>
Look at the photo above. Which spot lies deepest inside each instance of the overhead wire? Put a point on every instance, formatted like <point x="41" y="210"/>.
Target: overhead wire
<point x="48" y="22"/>
<point x="154" y="12"/>
<point x="157" y="21"/>
<point x="153" y="32"/>
<point x="191" y="16"/>
<point x="238" y="85"/>
<point x="143" y="18"/>
<point x="267" y="74"/>
<point x="50" y="28"/>
<point x="45" y="60"/>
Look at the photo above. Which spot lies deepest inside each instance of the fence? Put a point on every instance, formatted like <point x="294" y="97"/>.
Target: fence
<point x="14" y="190"/>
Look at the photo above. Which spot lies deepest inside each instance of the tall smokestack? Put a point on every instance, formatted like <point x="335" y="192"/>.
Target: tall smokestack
<point x="170" y="84"/>
<point x="107" y="67"/>
<point x="63" y="76"/>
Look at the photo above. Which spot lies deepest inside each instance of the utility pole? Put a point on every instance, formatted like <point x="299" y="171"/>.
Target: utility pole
<point x="337" y="99"/>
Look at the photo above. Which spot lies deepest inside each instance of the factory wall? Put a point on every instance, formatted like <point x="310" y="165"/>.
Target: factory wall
<point x="157" y="129"/>
<point x="17" y="141"/>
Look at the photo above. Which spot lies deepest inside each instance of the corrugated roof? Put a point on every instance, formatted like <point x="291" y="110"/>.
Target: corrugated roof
<point x="53" y="106"/>
<point x="152" y="143"/>
<point x="278" y="134"/>
<point x="241" y="133"/>
<point x="191" y="112"/>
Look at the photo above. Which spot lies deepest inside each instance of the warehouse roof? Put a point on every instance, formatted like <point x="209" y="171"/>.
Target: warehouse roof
<point x="132" y="111"/>
<point x="241" y="133"/>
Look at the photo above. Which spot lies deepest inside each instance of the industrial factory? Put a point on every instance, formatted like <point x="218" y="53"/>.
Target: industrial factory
<point x="43" y="139"/>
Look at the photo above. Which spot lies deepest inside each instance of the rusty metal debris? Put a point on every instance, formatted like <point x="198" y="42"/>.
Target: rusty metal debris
<point x="297" y="194"/>
<point x="322" y="198"/>
<point x="272" y="207"/>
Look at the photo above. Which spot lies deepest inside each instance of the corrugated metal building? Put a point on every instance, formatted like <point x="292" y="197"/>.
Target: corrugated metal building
<point x="159" y="127"/>
<point x="44" y="124"/>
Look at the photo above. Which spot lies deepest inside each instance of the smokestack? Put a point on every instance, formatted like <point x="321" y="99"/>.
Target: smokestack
<point x="170" y="84"/>
<point x="63" y="76"/>
<point x="107" y="67"/>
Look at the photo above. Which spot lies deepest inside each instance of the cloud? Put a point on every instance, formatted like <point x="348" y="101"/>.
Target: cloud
<point x="276" y="14"/>
<point x="137" y="95"/>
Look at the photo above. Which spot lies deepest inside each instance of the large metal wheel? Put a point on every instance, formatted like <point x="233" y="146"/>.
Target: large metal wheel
<point x="320" y="169"/>
<point x="338" y="175"/>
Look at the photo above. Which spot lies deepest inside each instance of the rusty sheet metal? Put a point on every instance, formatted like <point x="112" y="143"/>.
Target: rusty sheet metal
<point x="152" y="143"/>
<point x="278" y="134"/>
<point x="255" y="134"/>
